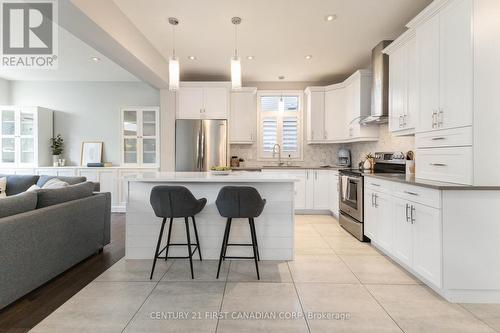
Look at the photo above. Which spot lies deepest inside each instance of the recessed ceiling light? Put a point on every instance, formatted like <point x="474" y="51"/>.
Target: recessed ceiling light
<point x="192" y="58"/>
<point x="330" y="17"/>
<point x="96" y="59"/>
<point x="308" y="57"/>
<point x="250" y="57"/>
<point x="281" y="77"/>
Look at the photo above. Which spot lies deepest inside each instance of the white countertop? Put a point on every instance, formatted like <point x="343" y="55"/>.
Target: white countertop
<point x="207" y="177"/>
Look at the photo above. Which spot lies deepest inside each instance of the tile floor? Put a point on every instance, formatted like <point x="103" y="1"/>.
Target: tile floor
<point x="335" y="284"/>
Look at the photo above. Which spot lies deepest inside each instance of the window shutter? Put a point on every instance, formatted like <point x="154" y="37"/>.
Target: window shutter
<point x="290" y="135"/>
<point x="269" y="133"/>
<point x="270" y="103"/>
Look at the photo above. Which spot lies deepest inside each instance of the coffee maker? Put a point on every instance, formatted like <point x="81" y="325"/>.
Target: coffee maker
<point x="344" y="158"/>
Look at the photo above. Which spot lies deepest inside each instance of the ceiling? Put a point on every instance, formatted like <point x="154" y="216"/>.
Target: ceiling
<point x="75" y="64"/>
<point x="278" y="33"/>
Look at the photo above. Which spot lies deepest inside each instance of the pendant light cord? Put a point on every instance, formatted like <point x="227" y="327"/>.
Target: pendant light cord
<point x="236" y="41"/>
<point x="173" y="38"/>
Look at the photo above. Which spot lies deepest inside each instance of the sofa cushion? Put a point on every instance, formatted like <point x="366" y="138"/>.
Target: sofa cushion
<point x="17" y="204"/>
<point x="19" y="183"/>
<point x="70" y="180"/>
<point x="49" y="197"/>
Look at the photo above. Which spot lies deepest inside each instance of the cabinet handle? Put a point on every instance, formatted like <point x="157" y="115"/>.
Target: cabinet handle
<point x="411" y="193"/>
<point x="378" y="185"/>
<point x="407" y="213"/>
<point x="434" y="122"/>
<point x="316" y="175"/>
<point x="404" y="120"/>
<point x="373" y="200"/>
<point x="376" y="197"/>
<point x="440" y="116"/>
<point x="307" y="174"/>
<point x="412" y="218"/>
<point x="325" y="135"/>
<point x="438" y="164"/>
<point x="437" y="139"/>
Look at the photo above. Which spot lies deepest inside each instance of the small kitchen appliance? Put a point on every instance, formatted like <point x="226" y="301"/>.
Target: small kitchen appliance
<point x="344" y="158"/>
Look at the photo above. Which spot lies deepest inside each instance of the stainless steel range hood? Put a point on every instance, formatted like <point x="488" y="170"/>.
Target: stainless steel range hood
<point x="380" y="85"/>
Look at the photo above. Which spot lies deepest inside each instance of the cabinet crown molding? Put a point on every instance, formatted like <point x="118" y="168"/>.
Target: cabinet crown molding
<point x="400" y="41"/>
<point x="432" y="9"/>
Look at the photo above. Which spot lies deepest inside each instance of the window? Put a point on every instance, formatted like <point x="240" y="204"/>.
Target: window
<point x="279" y="119"/>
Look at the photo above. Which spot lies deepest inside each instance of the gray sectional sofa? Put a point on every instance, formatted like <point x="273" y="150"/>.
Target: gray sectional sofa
<point x="45" y="232"/>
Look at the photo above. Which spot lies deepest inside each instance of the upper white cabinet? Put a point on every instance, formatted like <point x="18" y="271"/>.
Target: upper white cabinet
<point x="315" y="114"/>
<point x="334" y="112"/>
<point x="243" y="116"/>
<point x="140" y="139"/>
<point x="403" y="84"/>
<point x="445" y="67"/>
<point x="203" y="100"/>
<point x="25" y="134"/>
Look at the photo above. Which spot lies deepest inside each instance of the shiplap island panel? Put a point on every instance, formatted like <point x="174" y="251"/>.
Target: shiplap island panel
<point x="275" y="227"/>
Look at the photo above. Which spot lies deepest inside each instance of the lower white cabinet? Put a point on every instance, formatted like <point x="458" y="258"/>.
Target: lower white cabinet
<point x="401" y="222"/>
<point x="427" y="242"/>
<point x="403" y="231"/>
<point x="315" y="189"/>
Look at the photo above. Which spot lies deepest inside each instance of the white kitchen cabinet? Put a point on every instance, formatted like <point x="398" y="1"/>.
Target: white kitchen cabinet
<point x="452" y="164"/>
<point x="384" y="220"/>
<point x="243" y="116"/>
<point x="321" y="184"/>
<point x="202" y="100"/>
<point x="315" y="114"/>
<point x="427" y="242"/>
<point x="25" y="134"/>
<point x="315" y="190"/>
<point x="403" y="231"/>
<point x="336" y="128"/>
<point x="403" y="84"/>
<point x="333" y="187"/>
<point x="445" y="66"/>
<point x="334" y="112"/>
<point x="140" y="137"/>
<point x="107" y="178"/>
<point x="370" y="213"/>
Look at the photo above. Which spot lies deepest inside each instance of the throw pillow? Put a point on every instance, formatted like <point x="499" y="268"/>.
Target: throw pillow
<point x="33" y="187"/>
<point x="54" y="196"/>
<point x="3" y="187"/>
<point x="54" y="183"/>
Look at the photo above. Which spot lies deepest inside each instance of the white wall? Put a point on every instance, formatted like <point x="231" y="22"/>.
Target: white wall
<point x="4" y="92"/>
<point x="85" y="111"/>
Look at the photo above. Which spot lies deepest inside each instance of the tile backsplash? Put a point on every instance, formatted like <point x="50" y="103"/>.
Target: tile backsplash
<point x="326" y="154"/>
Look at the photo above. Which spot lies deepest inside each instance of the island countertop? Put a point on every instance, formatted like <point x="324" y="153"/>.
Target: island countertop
<point x="207" y="177"/>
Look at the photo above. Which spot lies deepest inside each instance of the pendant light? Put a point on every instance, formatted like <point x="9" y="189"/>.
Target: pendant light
<point x="173" y="61"/>
<point x="235" y="60"/>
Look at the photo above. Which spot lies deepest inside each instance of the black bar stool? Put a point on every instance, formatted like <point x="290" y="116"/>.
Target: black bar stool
<point x="239" y="202"/>
<point x="173" y="202"/>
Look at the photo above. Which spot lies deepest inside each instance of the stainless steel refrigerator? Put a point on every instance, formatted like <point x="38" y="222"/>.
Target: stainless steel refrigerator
<point x="200" y="144"/>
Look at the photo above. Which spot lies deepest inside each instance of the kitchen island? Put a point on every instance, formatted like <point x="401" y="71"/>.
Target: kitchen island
<point x="275" y="227"/>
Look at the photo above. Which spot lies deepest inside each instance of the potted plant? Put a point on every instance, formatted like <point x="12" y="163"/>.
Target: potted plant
<point x="368" y="164"/>
<point x="57" y="147"/>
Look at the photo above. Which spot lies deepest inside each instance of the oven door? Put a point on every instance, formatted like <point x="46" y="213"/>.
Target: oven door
<point x="351" y="196"/>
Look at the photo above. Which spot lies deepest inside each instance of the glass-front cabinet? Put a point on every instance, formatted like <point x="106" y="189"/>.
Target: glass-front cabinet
<point x="25" y="134"/>
<point x="140" y="137"/>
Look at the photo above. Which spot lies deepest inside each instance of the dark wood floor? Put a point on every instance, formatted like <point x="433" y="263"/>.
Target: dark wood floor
<point x="28" y="311"/>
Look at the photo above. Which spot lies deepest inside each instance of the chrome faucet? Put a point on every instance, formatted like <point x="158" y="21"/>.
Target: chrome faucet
<point x="280" y="162"/>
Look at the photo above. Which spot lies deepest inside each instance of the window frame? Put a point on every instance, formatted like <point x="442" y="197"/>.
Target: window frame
<point x="263" y="156"/>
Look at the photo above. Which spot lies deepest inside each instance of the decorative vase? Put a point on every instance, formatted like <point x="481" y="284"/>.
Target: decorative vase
<point x="55" y="160"/>
<point x="367" y="165"/>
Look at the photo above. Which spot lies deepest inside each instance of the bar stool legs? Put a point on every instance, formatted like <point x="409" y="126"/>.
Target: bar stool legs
<point x="158" y="246"/>
<point x="225" y="244"/>
<point x="196" y="235"/>
<point x="189" y="245"/>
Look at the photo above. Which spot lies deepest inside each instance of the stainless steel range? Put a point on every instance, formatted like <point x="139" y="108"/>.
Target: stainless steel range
<point x="351" y="204"/>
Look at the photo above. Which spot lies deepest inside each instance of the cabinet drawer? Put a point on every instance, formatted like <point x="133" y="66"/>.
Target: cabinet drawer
<point x="418" y="194"/>
<point x="454" y="137"/>
<point x="453" y="165"/>
<point x="378" y="185"/>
